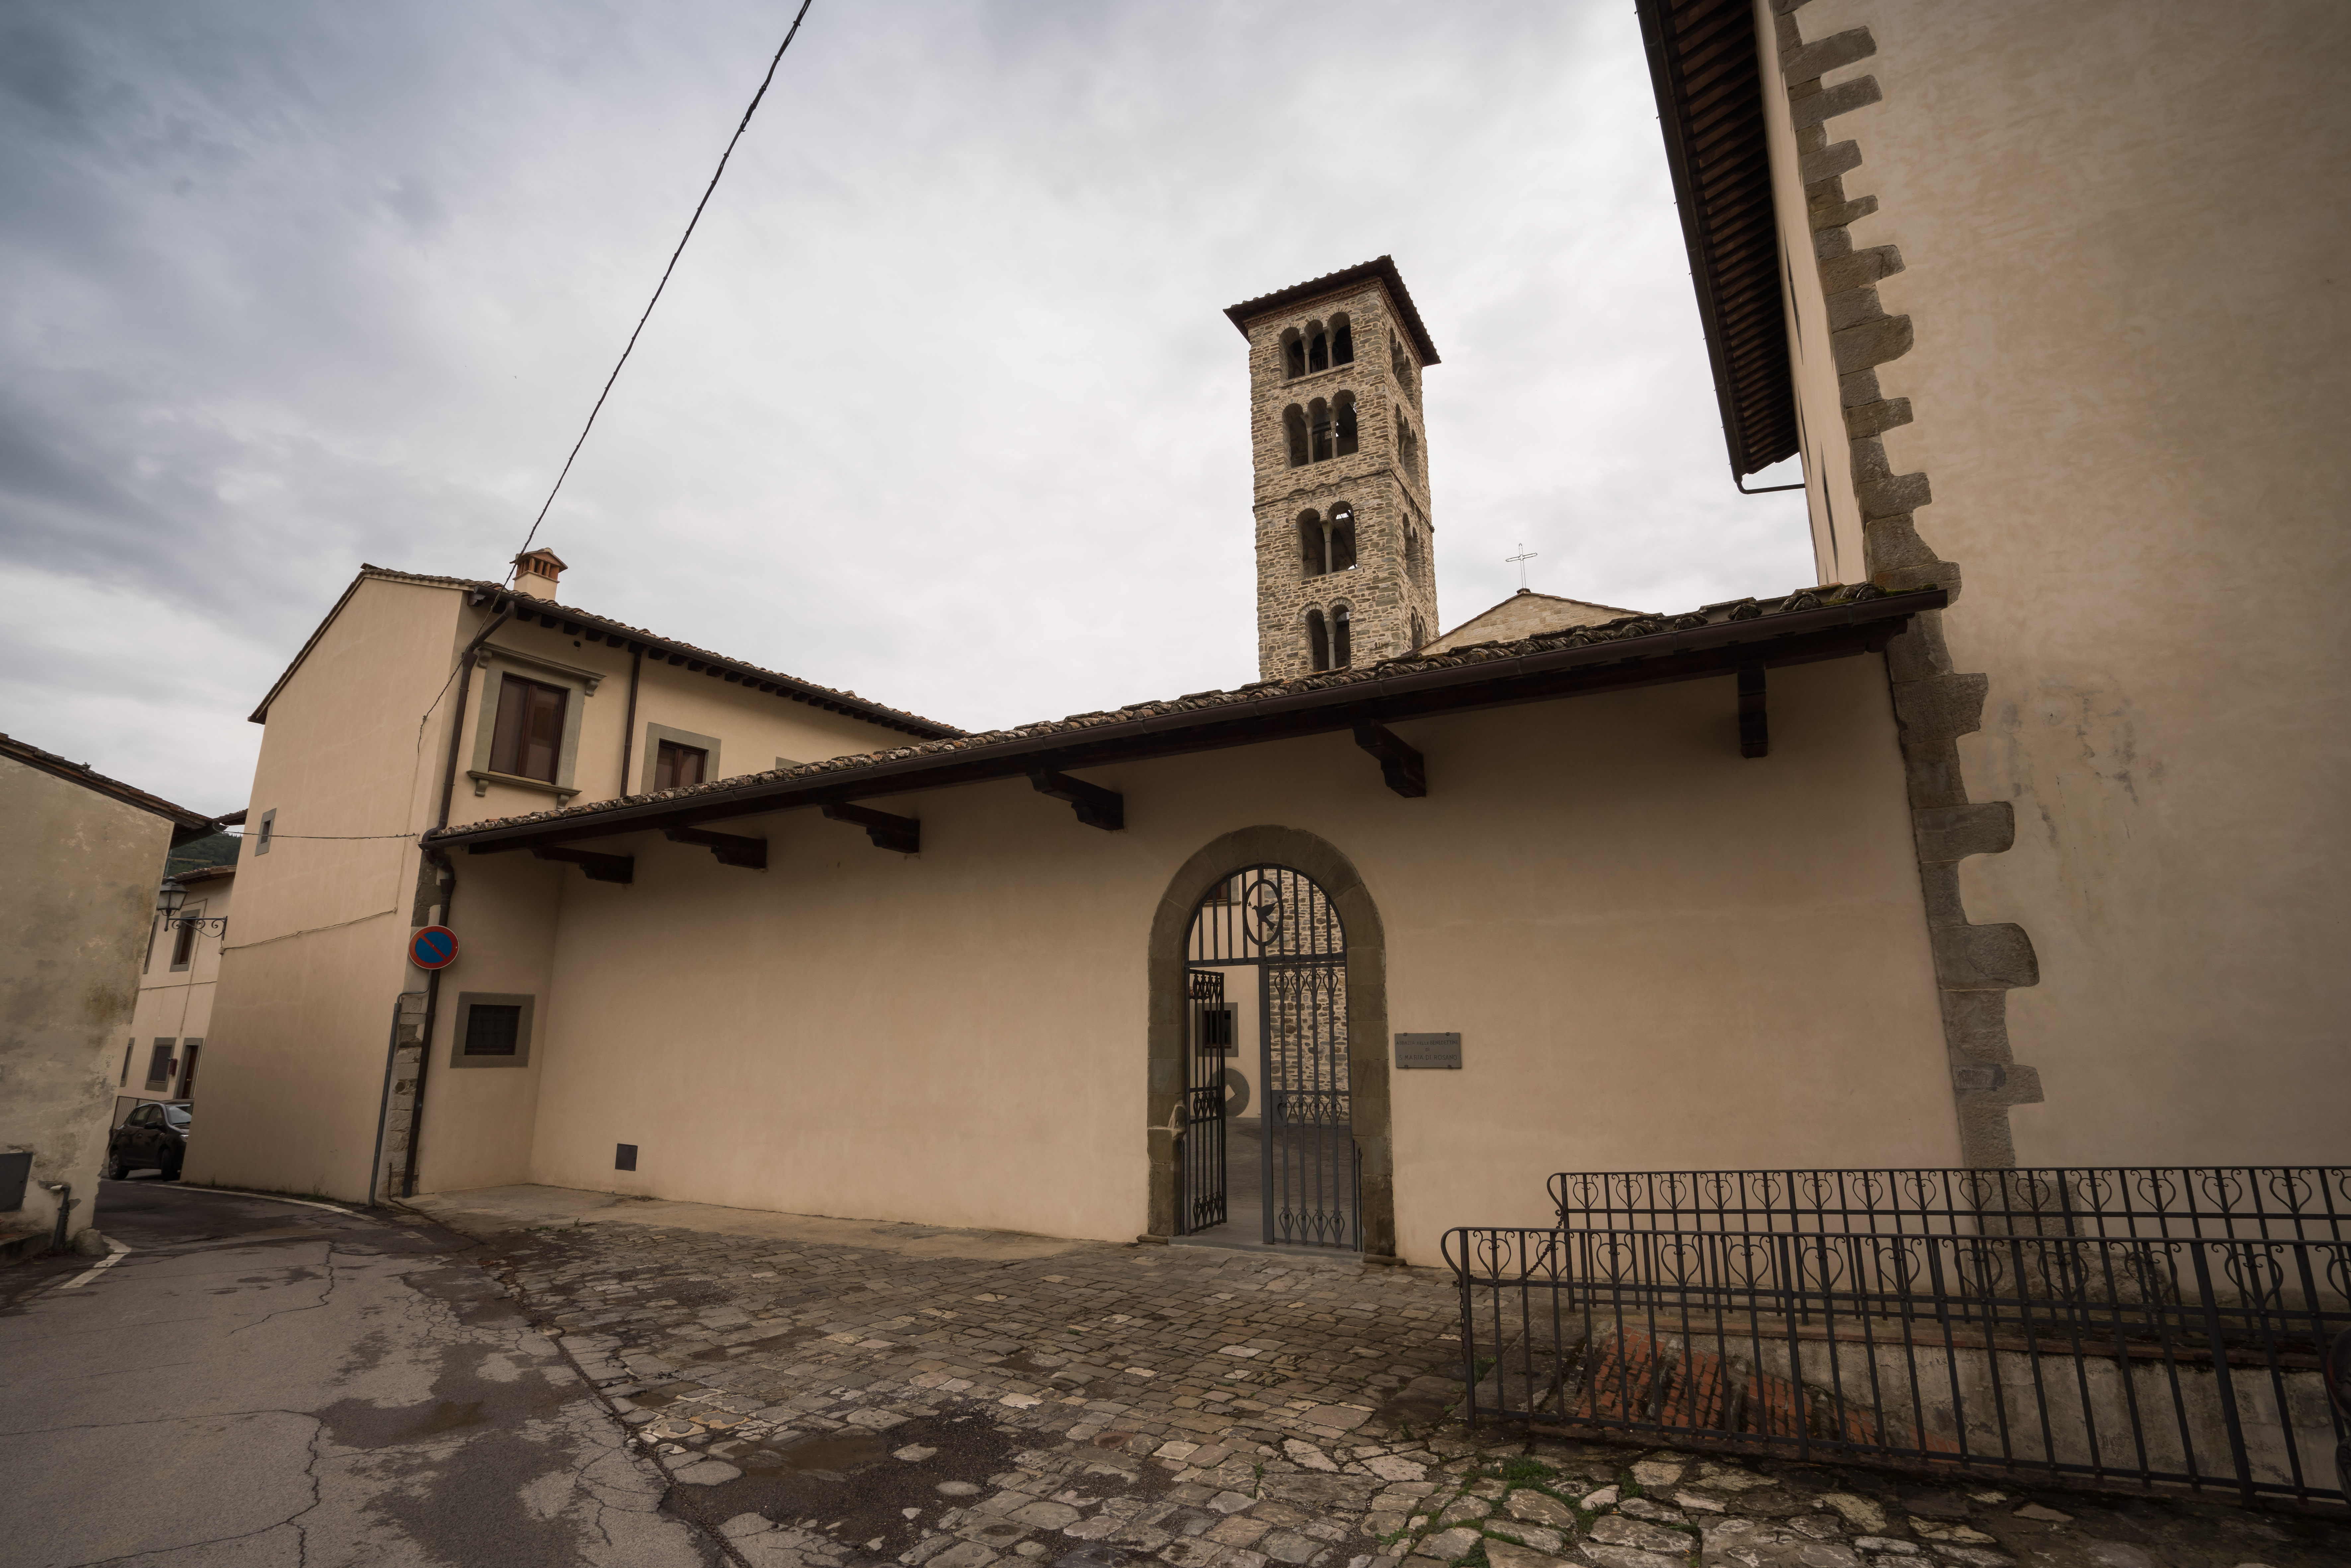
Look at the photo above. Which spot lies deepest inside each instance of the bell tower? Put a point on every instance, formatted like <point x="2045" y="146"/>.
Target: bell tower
<point x="1345" y="569"/>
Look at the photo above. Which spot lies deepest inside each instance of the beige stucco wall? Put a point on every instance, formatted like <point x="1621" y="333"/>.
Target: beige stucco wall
<point x="1659" y="954"/>
<point x="1523" y="615"/>
<point x="293" y="1069"/>
<point x="1830" y="512"/>
<point x="2124" y="231"/>
<point x="82" y="869"/>
<point x="753" y="729"/>
<point x="174" y="1004"/>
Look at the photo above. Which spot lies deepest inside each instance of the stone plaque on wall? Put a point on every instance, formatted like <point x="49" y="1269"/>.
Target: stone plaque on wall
<point x="1428" y="1051"/>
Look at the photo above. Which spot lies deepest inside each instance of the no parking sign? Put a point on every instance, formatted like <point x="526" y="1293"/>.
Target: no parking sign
<point x="433" y="947"/>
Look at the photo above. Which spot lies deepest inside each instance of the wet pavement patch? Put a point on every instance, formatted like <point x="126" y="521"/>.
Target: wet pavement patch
<point x="850" y="1486"/>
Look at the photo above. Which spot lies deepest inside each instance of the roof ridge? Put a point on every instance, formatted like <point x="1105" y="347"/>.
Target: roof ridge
<point x="849" y="701"/>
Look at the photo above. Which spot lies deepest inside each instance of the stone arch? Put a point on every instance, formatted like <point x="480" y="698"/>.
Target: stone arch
<point x="1367" y="1010"/>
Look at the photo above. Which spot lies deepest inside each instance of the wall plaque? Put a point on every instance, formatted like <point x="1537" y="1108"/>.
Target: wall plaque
<point x="1428" y="1051"/>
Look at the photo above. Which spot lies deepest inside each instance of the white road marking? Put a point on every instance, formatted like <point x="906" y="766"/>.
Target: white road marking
<point x="115" y="1252"/>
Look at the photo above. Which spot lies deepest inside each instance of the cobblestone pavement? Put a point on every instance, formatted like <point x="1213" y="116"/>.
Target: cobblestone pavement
<point x="828" y="1405"/>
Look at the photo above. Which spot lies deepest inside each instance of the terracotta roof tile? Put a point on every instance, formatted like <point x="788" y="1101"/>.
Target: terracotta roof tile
<point x="791" y="686"/>
<point x="1623" y="629"/>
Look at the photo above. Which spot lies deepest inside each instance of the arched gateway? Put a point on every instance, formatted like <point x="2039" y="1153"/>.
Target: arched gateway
<point x="1270" y="1085"/>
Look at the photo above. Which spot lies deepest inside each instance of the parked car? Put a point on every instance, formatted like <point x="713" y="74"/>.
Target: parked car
<point x="153" y="1137"/>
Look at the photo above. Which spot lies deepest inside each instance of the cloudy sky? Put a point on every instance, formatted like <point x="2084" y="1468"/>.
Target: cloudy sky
<point x="940" y="405"/>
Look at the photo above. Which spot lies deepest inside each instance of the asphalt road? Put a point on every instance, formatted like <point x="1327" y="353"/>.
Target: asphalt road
<point x="257" y="1382"/>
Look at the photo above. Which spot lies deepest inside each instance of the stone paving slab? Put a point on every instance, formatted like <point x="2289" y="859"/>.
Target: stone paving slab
<point x="824" y="1400"/>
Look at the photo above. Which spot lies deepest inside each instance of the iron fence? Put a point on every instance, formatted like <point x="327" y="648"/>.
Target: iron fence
<point x="2170" y="1332"/>
<point x="2299" y="1202"/>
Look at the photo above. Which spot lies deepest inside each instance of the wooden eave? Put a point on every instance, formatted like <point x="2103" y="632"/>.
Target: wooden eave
<point x="1719" y="648"/>
<point x="1709" y="87"/>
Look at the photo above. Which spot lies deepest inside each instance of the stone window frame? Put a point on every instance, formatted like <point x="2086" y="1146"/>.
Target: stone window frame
<point x="463" y="1016"/>
<point x="499" y="663"/>
<point x="657" y="733"/>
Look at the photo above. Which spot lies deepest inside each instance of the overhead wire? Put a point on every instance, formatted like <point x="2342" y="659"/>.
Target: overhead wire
<point x="690" y="222"/>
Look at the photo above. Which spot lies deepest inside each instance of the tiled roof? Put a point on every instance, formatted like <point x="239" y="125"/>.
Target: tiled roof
<point x="559" y="613"/>
<point x="1709" y="90"/>
<point x="1380" y="267"/>
<point x="183" y="820"/>
<point x="1629" y="637"/>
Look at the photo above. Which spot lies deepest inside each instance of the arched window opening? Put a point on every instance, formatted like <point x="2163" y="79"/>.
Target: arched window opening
<point x="1318" y="640"/>
<point x="1310" y="543"/>
<point x="1408" y="449"/>
<point x="1293" y="353"/>
<point x="1345" y="402"/>
<point x="1419" y="630"/>
<point x="1318" y="347"/>
<point x="1318" y="424"/>
<point x="1400" y="365"/>
<point x="1341" y="625"/>
<point x="1343" y="341"/>
<point x="1411" y="554"/>
<point x="1341" y="551"/>
<point x="1293" y="426"/>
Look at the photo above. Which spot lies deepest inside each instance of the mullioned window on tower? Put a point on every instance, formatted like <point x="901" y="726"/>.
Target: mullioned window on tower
<point x="1317" y="347"/>
<point x="528" y="737"/>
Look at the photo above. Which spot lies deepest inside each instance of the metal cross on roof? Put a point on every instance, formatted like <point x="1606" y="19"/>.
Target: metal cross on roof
<point x="1520" y="560"/>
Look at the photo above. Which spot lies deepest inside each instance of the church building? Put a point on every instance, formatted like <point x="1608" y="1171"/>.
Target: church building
<point x="2008" y="840"/>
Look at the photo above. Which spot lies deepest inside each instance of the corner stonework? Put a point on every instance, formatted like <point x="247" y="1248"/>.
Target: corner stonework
<point x="1975" y="966"/>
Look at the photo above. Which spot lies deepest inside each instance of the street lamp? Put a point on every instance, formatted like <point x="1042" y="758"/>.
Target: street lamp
<point x="170" y="895"/>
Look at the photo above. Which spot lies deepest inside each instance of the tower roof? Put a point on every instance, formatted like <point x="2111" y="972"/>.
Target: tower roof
<point x="1381" y="267"/>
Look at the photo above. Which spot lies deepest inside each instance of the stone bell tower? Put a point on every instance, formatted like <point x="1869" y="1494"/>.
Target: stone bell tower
<point x="1345" y="574"/>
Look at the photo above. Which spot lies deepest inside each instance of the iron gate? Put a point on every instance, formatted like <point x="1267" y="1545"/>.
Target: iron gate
<point x="1203" y="1104"/>
<point x="1277" y="922"/>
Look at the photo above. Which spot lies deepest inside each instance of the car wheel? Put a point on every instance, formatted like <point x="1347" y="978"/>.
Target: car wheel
<point x="115" y="1169"/>
<point x="171" y="1172"/>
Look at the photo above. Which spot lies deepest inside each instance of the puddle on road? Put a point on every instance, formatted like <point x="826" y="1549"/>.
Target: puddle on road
<point x="848" y="1485"/>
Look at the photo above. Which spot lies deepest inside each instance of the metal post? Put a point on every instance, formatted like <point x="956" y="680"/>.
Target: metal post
<point x="2218" y="1345"/>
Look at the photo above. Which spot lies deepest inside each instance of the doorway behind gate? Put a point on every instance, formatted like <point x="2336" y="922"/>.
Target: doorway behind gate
<point x="1268" y="1154"/>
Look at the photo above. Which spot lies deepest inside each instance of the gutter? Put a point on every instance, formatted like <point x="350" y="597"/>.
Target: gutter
<point x="1345" y="704"/>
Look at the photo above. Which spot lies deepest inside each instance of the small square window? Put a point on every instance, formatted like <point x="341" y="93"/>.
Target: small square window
<point x="493" y="1029"/>
<point x="158" y="1066"/>
<point x="527" y="741"/>
<point x="1216" y="1027"/>
<point x="624" y="1157"/>
<point x="268" y="830"/>
<point x="678" y="766"/>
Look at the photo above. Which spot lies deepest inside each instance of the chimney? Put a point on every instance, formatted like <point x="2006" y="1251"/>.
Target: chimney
<point x="536" y="573"/>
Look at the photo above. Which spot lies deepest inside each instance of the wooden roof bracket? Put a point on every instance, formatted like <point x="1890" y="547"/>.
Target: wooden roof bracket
<point x="731" y="849"/>
<point x="903" y="834"/>
<point x="1095" y="806"/>
<point x="596" y="865"/>
<point x="1401" y="767"/>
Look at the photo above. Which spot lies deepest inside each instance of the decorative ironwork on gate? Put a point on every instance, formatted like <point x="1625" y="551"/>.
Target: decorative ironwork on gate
<point x="1204" y="1103"/>
<point x="1277" y="922"/>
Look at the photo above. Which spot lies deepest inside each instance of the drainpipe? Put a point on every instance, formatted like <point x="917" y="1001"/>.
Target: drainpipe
<point x="629" y="725"/>
<point x="448" y="895"/>
<point x="384" y="1107"/>
<point x="64" y="1190"/>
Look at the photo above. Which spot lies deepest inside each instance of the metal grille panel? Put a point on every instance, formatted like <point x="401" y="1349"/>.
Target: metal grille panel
<point x="1278" y="922"/>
